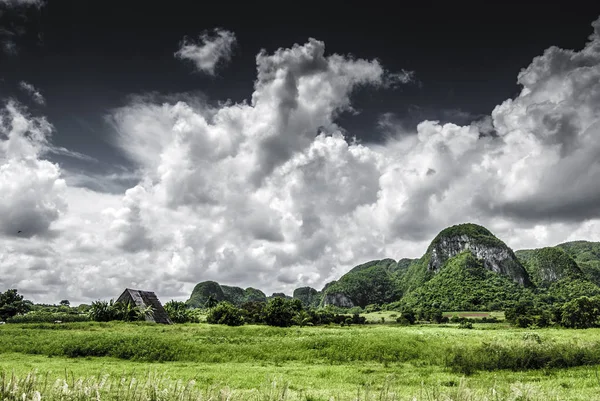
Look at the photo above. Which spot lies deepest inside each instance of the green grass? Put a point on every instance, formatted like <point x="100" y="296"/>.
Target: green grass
<point x="312" y="363"/>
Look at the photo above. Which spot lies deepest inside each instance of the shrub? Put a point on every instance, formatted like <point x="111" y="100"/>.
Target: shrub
<point x="180" y="313"/>
<point x="457" y="319"/>
<point x="48" y="317"/>
<point x="102" y="311"/>
<point x="465" y="325"/>
<point x="225" y="313"/>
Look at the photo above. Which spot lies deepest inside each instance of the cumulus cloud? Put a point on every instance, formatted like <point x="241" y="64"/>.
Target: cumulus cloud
<point x="35" y="94"/>
<point x="248" y="194"/>
<point x="209" y="51"/>
<point x="32" y="190"/>
<point x="308" y="207"/>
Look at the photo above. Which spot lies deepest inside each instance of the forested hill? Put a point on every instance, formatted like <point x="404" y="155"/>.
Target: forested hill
<point x="466" y="267"/>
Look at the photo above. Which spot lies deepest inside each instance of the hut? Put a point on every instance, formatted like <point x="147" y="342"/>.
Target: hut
<point x="145" y="299"/>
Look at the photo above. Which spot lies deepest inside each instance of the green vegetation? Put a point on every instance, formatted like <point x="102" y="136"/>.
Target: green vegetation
<point x="587" y="256"/>
<point x="12" y="304"/>
<point x="49" y="317"/>
<point x="548" y="265"/>
<point x="309" y="297"/>
<point x="373" y="282"/>
<point x="475" y="232"/>
<point x="464" y="284"/>
<point x="212" y="291"/>
<point x="103" y="311"/>
<point x="179" y="312"/>
<point x="428" y="362"/>
<point x="405" y="345"/>
<point x="203" y="292"/>
<point x="225" y="313"/>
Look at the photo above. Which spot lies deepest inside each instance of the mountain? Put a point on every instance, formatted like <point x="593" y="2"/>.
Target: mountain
<point x="464" y="283"/>
<point x="558" y="272"/>
<point x="494" y="254"/>
<point x="549" y="265"/>
<point x="465" y="267"/>
<point x="308" y="296"/>
<point x="370" y="283"/>
<point x="236" y="295"/>
<point x="587" y="256"/>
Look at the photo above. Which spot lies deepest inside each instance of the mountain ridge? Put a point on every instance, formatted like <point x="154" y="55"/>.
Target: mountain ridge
<point x="493" y="272"/>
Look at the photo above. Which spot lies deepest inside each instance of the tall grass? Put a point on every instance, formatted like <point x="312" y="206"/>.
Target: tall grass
<point x="159" y="387"/>
<point x="464" y="351"/>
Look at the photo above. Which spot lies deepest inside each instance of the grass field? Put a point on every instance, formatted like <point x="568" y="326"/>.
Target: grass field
<point x="383" y="362"/>
<point x="478" y="315"/>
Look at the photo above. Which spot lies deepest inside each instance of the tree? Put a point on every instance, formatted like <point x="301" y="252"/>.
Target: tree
<point x="65" y="302"/>
<point x="12" y="304"/>
<point x="409" y="315"/>
<point x="225" y="313"/>
<point x="581" y="313"/>
<point x="253" y="311"/>
<point x="280" y="312"/>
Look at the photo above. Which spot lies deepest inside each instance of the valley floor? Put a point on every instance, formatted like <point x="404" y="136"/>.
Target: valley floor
<point x="383" y="362"/>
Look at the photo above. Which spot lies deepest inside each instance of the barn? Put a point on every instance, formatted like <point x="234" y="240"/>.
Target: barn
<point x="145" y="299"/>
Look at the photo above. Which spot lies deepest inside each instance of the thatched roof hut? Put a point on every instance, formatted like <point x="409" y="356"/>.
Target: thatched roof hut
<point x="145" y="299"/>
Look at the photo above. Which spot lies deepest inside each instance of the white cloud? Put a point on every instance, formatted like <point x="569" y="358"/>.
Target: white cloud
<point x="209" y="51"/>
<point x="35" y="94"/>
<point x="32" y="190"/>
<point x="249" y="194"/>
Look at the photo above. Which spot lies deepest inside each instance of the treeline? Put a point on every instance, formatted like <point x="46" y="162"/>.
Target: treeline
<point x="579" y="313"/>
<point x="279" y="312"/>
<point x="527" y="312"/>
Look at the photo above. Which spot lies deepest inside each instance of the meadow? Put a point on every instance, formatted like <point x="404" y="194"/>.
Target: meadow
<point x="385" y="362"/>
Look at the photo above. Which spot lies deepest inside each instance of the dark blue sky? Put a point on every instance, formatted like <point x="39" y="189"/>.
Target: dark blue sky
<point x="87" y="57"/>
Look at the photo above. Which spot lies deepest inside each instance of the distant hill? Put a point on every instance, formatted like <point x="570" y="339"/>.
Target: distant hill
<point x="465" y="267"/>
<point x="308" y="296"/>
<point x="236" y="295"/>
<point x="587" y="256"/>
<point x="370" y="283"/>
<point x="549" y="265"/>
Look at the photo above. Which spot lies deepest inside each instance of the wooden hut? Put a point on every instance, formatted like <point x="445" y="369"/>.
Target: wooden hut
<point x="144" y="299"/>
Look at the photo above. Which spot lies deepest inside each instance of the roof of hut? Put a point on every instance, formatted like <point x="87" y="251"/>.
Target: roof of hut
<point x="145" y="299"/>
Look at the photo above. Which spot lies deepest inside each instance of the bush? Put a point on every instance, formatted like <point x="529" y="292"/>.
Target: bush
<point x="180" y="313"/>
<point x="102" y="311"/>
<point x="465" y="325"/>
<point x="457" y="319"/>
<point x="225" y="313"/>
<point x="47" y="317"/>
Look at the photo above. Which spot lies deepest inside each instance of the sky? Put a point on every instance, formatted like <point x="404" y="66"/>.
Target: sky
<point x="155" y="146"/>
